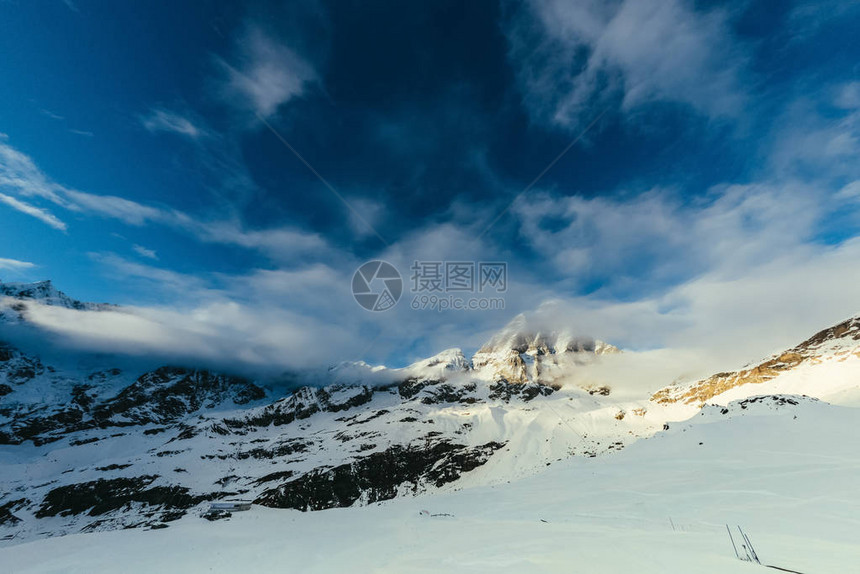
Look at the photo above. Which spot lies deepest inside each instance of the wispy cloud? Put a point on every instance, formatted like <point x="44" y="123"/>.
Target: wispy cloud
<point x="365" y="215"/>
<point x="144" y="252"/>
<point x="162" y="280"/>
<point x="570" y="57"/>
<point x="20" y="174"/>
<point x="52" y="115"/>
<point x="15" y="265"/>
<point x="819" y="138"/>
<point x="41" y="214"/>
<point x="279" y="243"/>
<point x="848" y="96"/>
<point x="806" y="19"/>
<point x="162" y="120"/>
<point x="125" y="210"/>
<point x="60" y="118"/>
<point x="654" y="239"/>
<point x="265" y="75"/>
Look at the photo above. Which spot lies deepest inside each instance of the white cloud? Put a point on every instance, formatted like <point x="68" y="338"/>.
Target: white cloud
<point x="364" y="216"/>
<point x="850" y="192"/>
<point x="223" y="333"/>
<point x="144" y="252"/>
<point x="125" y="210"/>
<point x="849" y="96"/>
<point x="161" y="120"/>
<point x="714" y="323"/>
<point x="267" y="75"/>
<point x="52" y="115"/>
<point x="20" y="174"/>
<point x="155" y="279"/>
<point x="813" y="136"/>
<point x="633" y="244"/>
<point x="279" y="243"/>
<point x="37" y="212"/>
<point x="743" y="279"/>
<point x="294" y="316"/>
<point x="811" y="17"/>
<point x="263" y="321"/>
<point x="588" y="53"/>
<point x="15" y="265"/>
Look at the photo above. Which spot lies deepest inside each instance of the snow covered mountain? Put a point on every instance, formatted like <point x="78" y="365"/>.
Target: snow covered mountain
<point x="827" y="366"/>
<point x="782" y="467"/>
<point x="15" y="298"/>
<point x="87" y="450"/>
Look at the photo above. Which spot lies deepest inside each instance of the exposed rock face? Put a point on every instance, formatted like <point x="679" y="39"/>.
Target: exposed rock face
<point x="379" y="476"/>
<point x="834" y="343"/>
<point x="16" y="368"/>
<point x="163" y="396"/>
<point x="7" y="509"/>
<point x="303" y="403"/>
<point x="505" y="391"/>
<point x="102" y="496"/>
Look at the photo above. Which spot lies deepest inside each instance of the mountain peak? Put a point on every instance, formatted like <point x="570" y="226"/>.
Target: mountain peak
<point x="45" y="293"/>
<point x="521" y="336"/>
<point x="441" y="365"/>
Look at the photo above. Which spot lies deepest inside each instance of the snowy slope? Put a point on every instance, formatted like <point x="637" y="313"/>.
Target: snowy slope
<point x="826" y="366"/>
<point x="783" y="472"/>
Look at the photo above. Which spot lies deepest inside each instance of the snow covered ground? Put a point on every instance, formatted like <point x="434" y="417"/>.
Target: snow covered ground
<point x="788" y="474"/>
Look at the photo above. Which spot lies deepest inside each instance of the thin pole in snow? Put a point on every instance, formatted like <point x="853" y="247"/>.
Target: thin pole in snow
<point x="749" y="544"/>
<point x="733" y="541"/>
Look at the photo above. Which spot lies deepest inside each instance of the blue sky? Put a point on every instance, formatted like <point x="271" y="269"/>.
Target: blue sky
<point x="713" y="203"/>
